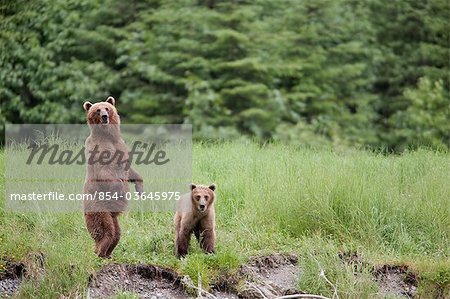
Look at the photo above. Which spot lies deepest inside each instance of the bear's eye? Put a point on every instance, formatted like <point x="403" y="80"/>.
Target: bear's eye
<point x="107" y="109"/>
<point x="206" y="197"/>
<point x="98" y="110"/>
<point x="197" y="197"/>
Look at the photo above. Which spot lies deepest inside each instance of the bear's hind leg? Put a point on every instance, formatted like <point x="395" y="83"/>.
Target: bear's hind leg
<point x="197" y="232"/>
<point x="182" y="243"/>
<point x="106" y="235"/>
<point x="116" y="237"/>
<point x="207" y="240"/>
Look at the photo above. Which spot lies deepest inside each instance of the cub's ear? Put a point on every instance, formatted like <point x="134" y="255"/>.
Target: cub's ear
<point x="87" y="106"/>
<point x="111" y="100"/>
<point x="193" y="186"/>
<point x="212" y="187"/>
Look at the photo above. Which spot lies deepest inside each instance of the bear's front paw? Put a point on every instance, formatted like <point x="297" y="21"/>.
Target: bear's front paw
<point x="104" y="256"/>
<point x="181" y="253"/>
<point x="139" y="188"/>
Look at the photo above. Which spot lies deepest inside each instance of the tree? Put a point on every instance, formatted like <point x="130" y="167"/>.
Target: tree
<point x="426" y="120"/>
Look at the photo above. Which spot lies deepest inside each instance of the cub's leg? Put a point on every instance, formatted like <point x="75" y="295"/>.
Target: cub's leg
<point x="182" y="242"/>
<point x="117" y="233"/>
<point x="177" y="220"/>
<point x="101" y="228"/>
<point x="197" y="232"/>
<point x="208" y="237"/>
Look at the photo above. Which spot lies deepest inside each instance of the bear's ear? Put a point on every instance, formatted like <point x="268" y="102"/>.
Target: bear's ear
<point x="192" y="186"/>
<point x="87" y="106"/>
<point x="111" y="100"/>
<point x="212" y="187"/>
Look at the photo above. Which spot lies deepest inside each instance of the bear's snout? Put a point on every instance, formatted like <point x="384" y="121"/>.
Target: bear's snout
<point x="104" y="117"/>
<point x="202" y="207"/>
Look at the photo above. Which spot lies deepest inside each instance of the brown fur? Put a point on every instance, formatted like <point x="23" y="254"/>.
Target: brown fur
<point x="189" y="219"/>
<point x="113" y="176"/>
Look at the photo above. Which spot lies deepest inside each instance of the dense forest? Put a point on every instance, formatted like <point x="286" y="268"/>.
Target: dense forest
<point x="372" y="73"/>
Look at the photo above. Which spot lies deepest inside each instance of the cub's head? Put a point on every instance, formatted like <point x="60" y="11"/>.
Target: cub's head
<point x="202" y="196"/>
<point x="102" y="113"/>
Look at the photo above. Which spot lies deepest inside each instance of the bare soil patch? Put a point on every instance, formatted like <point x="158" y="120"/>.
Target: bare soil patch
<point x="146" y="281"/>
<point x="395" y="280"/>
<point x="10" y="278"/>
<point x="263" y="277"/>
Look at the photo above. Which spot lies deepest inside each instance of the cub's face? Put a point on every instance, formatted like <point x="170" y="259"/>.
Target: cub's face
<point x="202" y="196"/>
<point x="102" y="113"/>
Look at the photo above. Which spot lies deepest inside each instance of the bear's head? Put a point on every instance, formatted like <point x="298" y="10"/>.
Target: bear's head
<point x="102" y="113"/>
<point x="202" y="196"/>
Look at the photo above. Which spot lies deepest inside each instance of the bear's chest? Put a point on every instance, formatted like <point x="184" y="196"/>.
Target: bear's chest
<point x="113" y="155"/>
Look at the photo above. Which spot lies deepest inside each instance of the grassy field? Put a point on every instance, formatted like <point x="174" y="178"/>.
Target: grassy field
<point x="317" y="204"/>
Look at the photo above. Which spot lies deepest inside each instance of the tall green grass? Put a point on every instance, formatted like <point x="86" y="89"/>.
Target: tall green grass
<point x="273" y="198"/>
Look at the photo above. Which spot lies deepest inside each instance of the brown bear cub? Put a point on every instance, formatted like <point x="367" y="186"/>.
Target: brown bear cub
<point x="195" y="214"/>
<point x="107" y="177"/>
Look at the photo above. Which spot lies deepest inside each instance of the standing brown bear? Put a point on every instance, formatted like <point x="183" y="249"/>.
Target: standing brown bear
<point x="107" y="177"/>
<point x="195" y="213"/>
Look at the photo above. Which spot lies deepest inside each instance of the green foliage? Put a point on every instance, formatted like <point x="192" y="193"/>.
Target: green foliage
<point x="436" y="280"/>
<point x="426" y="120"/>
<point x="319" y="73"/>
